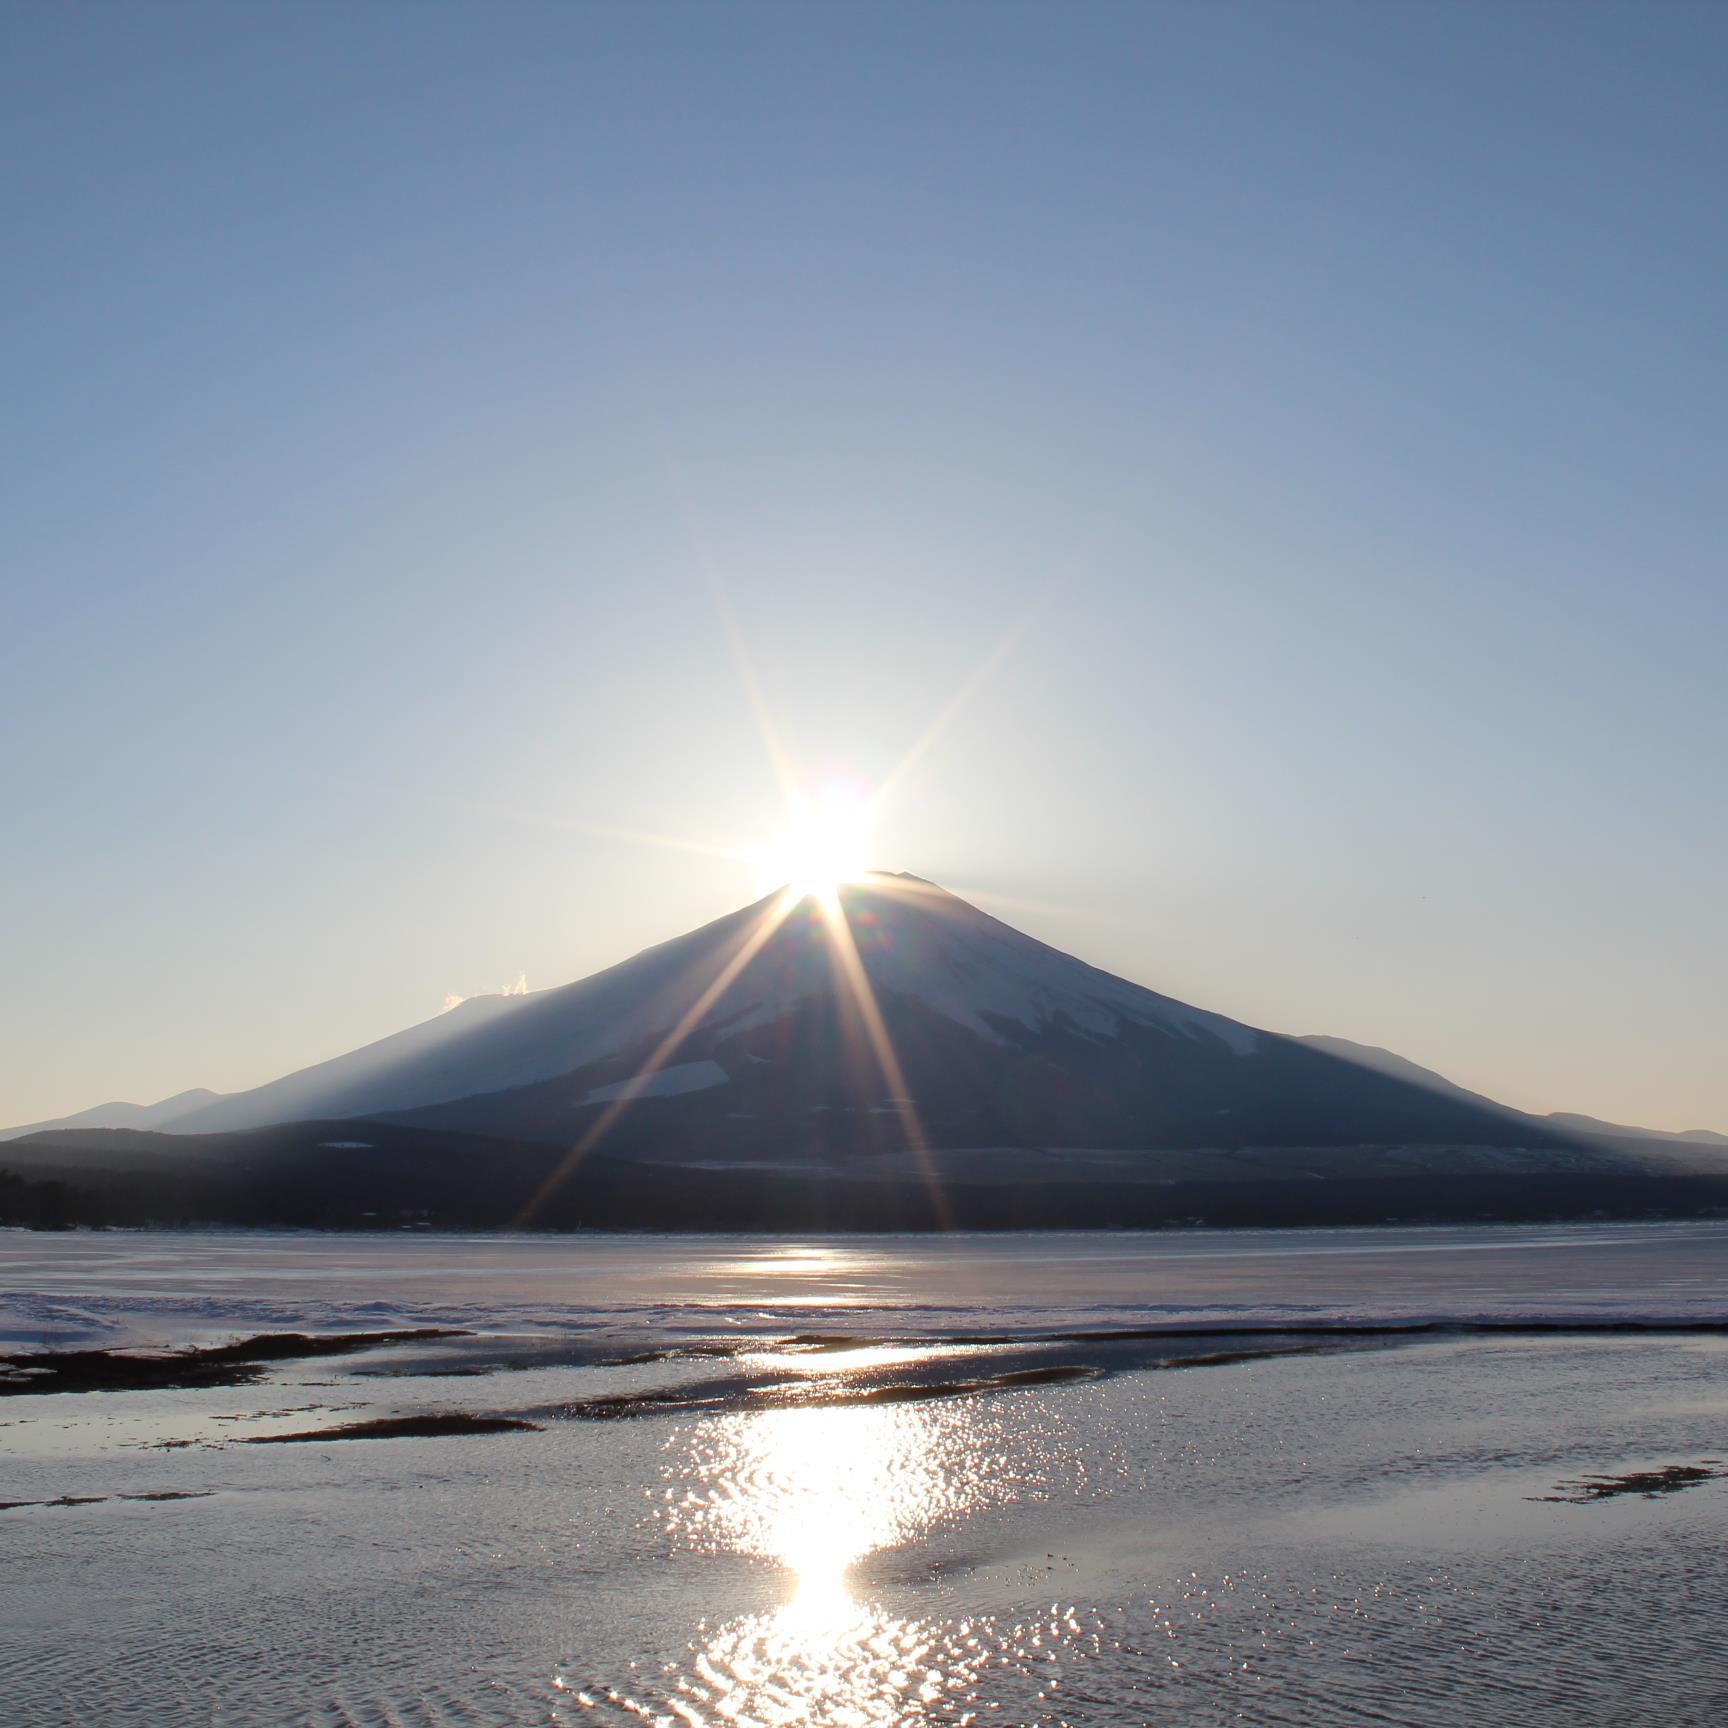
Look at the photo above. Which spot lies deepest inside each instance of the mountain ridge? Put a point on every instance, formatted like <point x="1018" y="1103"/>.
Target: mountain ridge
<point x="118" y="1114"/>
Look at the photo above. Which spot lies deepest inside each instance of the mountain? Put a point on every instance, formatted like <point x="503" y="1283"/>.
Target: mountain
<point x="894" y="1037"/>
<point x="752" y="1034"/>
<point x="118" y="1115"/>
<point x="948" y="976"/>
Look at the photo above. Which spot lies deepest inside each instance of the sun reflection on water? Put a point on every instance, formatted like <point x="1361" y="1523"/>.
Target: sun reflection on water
<point x="816" y="1492"/>
<point x="849" y="1359"/>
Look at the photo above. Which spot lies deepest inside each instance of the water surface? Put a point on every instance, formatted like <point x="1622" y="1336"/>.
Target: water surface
<point x="878" y="1482"/>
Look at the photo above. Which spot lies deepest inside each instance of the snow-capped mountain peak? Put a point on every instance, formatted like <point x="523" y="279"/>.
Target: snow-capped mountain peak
<point x="890" y="1012"/>
<point x="914" y="942"/>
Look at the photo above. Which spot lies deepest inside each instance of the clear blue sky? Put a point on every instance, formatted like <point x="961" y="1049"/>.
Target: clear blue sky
<point x="1341" y="391"/>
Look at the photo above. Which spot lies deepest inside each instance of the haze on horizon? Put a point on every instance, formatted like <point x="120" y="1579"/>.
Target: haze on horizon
<point x="1271" y="457"/>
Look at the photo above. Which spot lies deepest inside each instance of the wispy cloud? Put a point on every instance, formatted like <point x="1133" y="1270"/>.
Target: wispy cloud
<point x="519" y="988"/>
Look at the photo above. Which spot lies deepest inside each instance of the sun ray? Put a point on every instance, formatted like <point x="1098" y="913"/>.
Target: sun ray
<point x="770" y="921"/>
<point x="979" y="676"/>
<point x="671" y="842"/>
<point x="600" y="830"/>
<point x="778" y="758"/>
<point x="851" y="966"/>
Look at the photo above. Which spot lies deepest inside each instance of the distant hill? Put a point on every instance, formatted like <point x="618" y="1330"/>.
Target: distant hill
<point x="119" y="1115"/>
<point x="1571" y="1121"/>
<point x="1567" y="1121"/>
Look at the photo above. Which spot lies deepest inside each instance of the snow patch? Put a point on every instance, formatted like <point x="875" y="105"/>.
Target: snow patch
<point x="665" y="1083"/>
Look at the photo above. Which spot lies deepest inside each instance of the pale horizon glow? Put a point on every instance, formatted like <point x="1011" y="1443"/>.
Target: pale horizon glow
<point x="468" y="468"/>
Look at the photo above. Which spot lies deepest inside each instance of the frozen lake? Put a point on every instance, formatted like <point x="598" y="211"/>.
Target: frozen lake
<point x="1083" y="1480"/>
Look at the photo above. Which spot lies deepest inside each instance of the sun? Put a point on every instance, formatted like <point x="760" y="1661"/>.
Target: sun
<point x="825" y="846"/>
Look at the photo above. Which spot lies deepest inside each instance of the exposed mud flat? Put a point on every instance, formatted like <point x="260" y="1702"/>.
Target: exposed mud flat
<point x="59" y="1500"/>
<point x="835" y="1370"/>
<point x="429" y="1425"/>
<point x="239" y="1363"/>
<point x="153" y="1495"/>
<point x="719" y="1396"/>
<point x="1649" y="1484"/>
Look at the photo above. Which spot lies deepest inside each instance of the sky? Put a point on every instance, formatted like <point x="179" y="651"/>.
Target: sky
<point x="1267" y="461"/>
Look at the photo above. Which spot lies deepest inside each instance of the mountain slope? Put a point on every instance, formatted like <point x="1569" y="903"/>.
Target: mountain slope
<point x="1565" y="1121"/>
<point x="1384" y="1061"/>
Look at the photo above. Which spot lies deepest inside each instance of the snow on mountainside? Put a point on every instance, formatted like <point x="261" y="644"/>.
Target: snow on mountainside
<point x="671" y="1082"/>
<point x="914" y="940"/>
<point x="978" y="971"/>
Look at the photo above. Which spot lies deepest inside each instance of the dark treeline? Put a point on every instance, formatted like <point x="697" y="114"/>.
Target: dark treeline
<point x="48" y="1203"/>
<point x="479" y="1185"/>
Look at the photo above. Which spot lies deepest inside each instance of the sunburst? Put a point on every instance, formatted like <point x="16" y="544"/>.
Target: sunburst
<point x="824" y="848"/>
